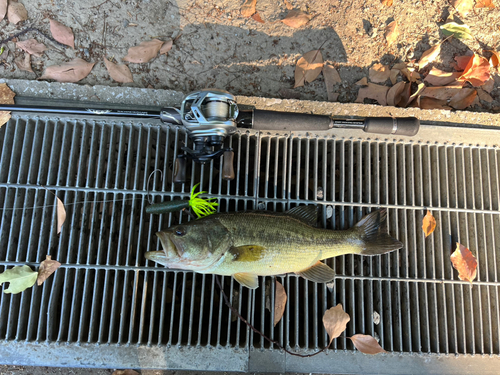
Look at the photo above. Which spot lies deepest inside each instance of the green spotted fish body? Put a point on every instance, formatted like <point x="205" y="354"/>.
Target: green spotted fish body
<point x="246" y="245"/>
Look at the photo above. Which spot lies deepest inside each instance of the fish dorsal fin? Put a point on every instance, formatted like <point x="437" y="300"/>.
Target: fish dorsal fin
<point x="318" y="273"/>
<point x="306" y="214"/>
<point x="247" y="279"/>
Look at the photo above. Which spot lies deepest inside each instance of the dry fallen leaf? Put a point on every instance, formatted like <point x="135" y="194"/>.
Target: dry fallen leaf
<point x="373" y="91"/>
<point x="24" y="62"/>
<point x="410" y="74"/>
<point x="484" y="96"/>
<point x="308" y="67"/>
<point x="144" y="52"/>
<point x="296" y="18"/>
<point x="335" y="321"/>
<point x="440" y="92"/>
<point x="464" y="262"/>
<point x="495" y="58"/>
<point x="125" y="372"/>
<point x="437" y="77"/>
<point x="429" y="56"/>
<point x="489" y="85"/>
<point x="464" y="98"/>
<point x="6" y="97"/>
<point x="462" y="61"/>
<point x="257" y="18"/>
<point x="391" y="32"/>
<point x="279" y="302"/>
<point x="428" y="223"/>
<point x="379" y="73"/>
<point x="32" y="47"/>
<point x="387" y="3"/>
<point x="431" y="103"/>
<point x="61" y="215"/>
<point x="287" y="93"/>
<point x="463" y="7"/>
<point x="288" y="5"/>
<point x="47" y="268"/>
<point x="484" y="4"/>
<point x="394" y="75"/>
<point x="16" y="12"/>
<point x="366" y="344"/>
<point x="62" y="34"/>
<point x="420" y="89"/>
<point x="331" y="78"/>
<point x="119" y="72"/>
<point x="167" y="46"/>
<point x="477" y="71"/>
<point x="248" y="8"/>
<point x="3" y="9"/>
<point x="405" y="95"/>
<point x="72" y="71"/>
<point x="394" y="93"/>
<point x="362" y="82"/>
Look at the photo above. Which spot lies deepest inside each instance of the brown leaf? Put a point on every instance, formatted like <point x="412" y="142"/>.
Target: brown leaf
<point x="484" y="96"/>
<point x="331" y="78"/>
<point x="62" y="34"/>
<point x="61" y="215"/>
<point x="257" y="18"/>
<point x="379" y="73"/>
<point x="16" y="12"/>
<point x="438" y="77"/>
<point x="120" y="73"/>
<point x="410" y="74"/>
<point x="420" y="89"/>
<point x="464" y="262"/>
<point x="405" y="95"/>
<point x="463" y="98"/>
<point x="489" y="85"/>
<point x="288" y="93"/>
<point x="72" y="71"/>
<point x="279" y="302"/>
<point x="125" y="372"/>
<point x="391" y="32"/>
<point x="477" y="71"/>
<point x="3" y="9"/>
<point x="484" y="4"/>
<point x="399" y="66"/>
<point x="167" y="46"/>
<point x="431" y="103"/>
<point x="495" y="58"/>
<point x="362" y="82"/>
<point x="463" y="6"/>
<point x="248" y="8"/>
<point x="32" y="47"/>
<point x="47" y="268"/>
<point x="394" y="75"/>
<point x="462" y="61"/>
<point x="6" y="94"/>
<point x="24" y="62"/>
<point x="6" y="97"/>
<point x="394" y="93"/>
<point x="288" y="5"/>
<point x="366" y="344"/>
<point x="308" y="67"/>
<point x="296" y="18"/>
<point x="428" y="223"/>
<point x="144" y="52"/>
<point x="335" y="321"/>
<point x="440" y="92"/>
<point x="373" y="91"/>
<point x="387" y="3"/>
<point x="429" y="56"/>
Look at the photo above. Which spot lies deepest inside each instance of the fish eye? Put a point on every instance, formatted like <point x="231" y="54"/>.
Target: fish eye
<point x="180" y="231"/>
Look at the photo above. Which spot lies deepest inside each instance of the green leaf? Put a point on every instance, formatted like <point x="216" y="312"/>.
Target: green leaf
<point x="20" y="279"/>
<point x="458" y="31"/>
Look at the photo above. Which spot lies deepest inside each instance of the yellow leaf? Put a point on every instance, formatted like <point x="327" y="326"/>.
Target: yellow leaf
<point x="428" y="224"/>
<point x="391" y="32"/>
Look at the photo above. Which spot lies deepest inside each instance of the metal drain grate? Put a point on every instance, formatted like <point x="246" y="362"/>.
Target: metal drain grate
<point x="112" y="308"/>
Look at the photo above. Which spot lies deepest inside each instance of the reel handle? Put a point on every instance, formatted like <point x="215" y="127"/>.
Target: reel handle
<point x="180" y="170"/>
<point x="227" y="166"/>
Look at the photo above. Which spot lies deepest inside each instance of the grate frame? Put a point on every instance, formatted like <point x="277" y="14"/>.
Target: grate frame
<point x="107" y="295"/>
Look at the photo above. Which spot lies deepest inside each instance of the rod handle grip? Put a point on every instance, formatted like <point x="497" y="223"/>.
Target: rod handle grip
<point x="389" y="125"/>
<point x="179" y="170"/>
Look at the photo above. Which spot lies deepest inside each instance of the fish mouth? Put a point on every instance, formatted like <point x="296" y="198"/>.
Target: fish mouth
<point x="170" y="253"/>
<point x="170" y="248"/>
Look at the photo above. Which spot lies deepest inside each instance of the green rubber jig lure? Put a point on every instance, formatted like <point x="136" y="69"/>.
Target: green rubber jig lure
<point x="200" y="206"/>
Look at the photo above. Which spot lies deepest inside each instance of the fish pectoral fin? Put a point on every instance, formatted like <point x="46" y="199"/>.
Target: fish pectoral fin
<point x="247" y="279"/>
<point x="318" y="273"/>
<point x="247" y="253"/>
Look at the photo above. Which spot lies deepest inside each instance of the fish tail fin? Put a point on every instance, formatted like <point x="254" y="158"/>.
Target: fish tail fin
<point x="372" y="231"/>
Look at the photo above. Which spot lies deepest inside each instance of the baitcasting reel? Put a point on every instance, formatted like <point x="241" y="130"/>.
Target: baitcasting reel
<point x="208" y="117"/>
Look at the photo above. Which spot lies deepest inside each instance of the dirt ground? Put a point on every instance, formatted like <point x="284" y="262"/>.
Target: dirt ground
<point x="215" y="46"/>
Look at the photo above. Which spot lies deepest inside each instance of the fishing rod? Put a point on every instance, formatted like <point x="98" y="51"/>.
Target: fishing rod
<point x="209" y="116"/>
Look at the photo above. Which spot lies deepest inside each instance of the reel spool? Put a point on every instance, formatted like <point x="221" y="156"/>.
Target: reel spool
<point x="208" y="116"/>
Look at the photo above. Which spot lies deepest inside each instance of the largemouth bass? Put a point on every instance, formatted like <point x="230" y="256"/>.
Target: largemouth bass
<point x="246" y="245"/>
